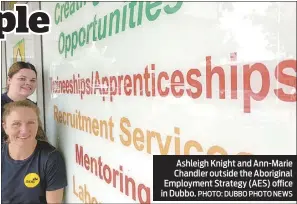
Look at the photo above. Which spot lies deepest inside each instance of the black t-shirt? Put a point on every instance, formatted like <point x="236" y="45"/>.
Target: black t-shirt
<point x="4" y="100"/>
<point x="28" y="180"/>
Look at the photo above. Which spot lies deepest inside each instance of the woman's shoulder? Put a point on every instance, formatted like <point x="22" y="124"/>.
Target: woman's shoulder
<point x="5" y="99"/>
<point x="45" y="146"/>
<point x="4" y="95"/>
<point x="47" y="150"/>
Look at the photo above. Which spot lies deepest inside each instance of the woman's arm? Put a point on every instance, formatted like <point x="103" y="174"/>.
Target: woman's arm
<point x="55" y="178"/>
<point x="55" y="197"/>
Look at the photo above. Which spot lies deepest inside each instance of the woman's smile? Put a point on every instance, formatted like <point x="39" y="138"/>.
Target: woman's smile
<point x="26" y="88"/>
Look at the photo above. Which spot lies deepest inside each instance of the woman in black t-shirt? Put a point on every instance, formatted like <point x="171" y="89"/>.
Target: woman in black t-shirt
<point x="32" y="171"/>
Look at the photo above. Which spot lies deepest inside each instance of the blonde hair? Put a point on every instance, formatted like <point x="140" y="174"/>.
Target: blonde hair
<point x="17" y="66"/>
<point x="8" y="108"/>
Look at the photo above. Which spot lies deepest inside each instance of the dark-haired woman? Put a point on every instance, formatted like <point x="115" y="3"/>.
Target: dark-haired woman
<point x="21" y="83"/>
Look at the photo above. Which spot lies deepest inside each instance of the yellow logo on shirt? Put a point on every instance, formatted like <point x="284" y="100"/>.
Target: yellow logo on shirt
<point x="31" y="180"/>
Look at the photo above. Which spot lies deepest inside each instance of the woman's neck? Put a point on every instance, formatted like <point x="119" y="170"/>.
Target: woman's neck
<point x="21" y="153"/>
<point x="15" y="97"/>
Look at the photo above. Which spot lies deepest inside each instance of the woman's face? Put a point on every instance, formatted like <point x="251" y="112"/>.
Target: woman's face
<point x="23" y="82"/>
<point x="21" y="126"/>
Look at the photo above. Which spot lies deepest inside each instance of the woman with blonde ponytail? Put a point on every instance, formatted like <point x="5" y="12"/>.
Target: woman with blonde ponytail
<point x="33" y="171"/>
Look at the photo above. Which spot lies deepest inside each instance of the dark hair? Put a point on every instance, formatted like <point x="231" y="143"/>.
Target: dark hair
<point x="27" y="104"/>
<point x="17" y="66"/>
